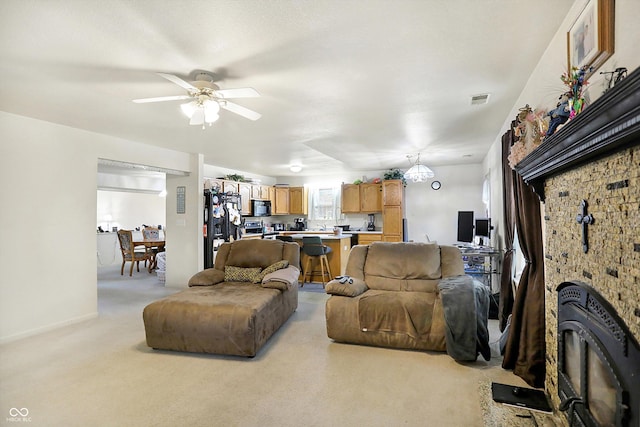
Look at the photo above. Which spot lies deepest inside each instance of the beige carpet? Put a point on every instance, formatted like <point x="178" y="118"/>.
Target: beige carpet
<point x="101" y="373"/>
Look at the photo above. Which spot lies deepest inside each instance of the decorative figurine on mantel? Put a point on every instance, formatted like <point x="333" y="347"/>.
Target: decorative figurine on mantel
<point x="560" y="114"/>
<point x="575" y="81"/>
<point x="530" y="128"/>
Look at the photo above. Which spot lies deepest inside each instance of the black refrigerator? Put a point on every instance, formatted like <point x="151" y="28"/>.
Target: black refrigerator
<point x="222" y="221"/>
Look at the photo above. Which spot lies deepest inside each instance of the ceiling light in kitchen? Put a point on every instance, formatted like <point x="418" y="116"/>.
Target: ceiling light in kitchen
<point x="418" y="172"/>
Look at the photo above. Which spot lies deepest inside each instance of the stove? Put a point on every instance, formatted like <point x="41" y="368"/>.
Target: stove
<point x="253" y="227"/>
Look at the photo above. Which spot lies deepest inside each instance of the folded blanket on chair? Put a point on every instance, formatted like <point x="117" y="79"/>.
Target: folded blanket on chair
<point x="287" y="275"/>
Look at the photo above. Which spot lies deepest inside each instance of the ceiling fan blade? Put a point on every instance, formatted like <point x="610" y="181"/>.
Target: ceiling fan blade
<point x="241" y="92"/>
<point x="161" y="98"/>
<point x="177" y="80"/>
<point x="238" y="109"/>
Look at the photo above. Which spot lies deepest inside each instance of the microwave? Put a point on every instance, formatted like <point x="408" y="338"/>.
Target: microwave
<point x="260" y="208"/>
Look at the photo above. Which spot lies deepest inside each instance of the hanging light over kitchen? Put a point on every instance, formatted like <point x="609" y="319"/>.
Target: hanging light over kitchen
<point x="418" y="172"/>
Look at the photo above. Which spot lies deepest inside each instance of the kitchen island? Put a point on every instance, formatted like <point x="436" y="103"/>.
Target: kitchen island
<point x="340" y="245"/>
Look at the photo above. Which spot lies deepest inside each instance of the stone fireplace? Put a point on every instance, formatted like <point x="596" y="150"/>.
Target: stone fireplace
<point x="588" y="176"/>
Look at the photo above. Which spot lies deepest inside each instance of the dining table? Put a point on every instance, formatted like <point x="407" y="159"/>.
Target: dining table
<point x="156" y="244"/>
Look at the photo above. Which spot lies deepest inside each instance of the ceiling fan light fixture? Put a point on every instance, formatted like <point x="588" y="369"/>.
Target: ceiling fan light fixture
<point x="210" y="116"/>
<point x="418" y="172"/>
<point x="197" y="118"/>
<point x="189" y="108"/>
<point x="207" y="99"/>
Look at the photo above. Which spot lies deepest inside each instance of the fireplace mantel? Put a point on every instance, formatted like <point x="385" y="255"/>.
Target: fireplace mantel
<point x="610" y="124"/>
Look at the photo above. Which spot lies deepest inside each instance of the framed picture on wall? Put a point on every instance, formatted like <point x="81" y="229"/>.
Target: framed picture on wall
<point x="590" y="40"/>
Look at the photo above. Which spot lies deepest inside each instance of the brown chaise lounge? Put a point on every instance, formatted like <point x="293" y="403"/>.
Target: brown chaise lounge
<point x="229" y="309"/>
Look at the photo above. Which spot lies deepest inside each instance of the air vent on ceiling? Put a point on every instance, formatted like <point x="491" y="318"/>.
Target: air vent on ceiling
<point x="480" y="99"/>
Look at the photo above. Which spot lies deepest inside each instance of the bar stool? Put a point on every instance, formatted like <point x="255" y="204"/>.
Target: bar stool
<point x="314" y="249"/>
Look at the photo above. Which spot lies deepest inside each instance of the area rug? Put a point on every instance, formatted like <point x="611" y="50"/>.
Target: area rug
<point x="497" y="414"/>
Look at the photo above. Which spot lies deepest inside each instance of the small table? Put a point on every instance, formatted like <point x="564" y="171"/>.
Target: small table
<point x="150" y="244"/>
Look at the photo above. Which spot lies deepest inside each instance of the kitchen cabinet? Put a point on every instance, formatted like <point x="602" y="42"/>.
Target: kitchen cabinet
<point x="392" y="210"/>
<point x="216" y="184"/>
<point x="256" y="192"/>
<point x="244" y="189"/>
<point x="350" y="198"/>
<point x="230" y="186"/>
<point x="370" y="198"/>
<point x="260" y="192"/>
<point x="298" y="201"/>
<point x="361" y="198"/>
<point x="393" y="192"/>
<point x="281" y="205"/>
<point x="367" y="239"/>
<point x="272" y="196"/>
<point x="264" y="192"/>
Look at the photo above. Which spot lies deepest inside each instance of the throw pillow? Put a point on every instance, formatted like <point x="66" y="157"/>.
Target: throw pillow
<point x="239" y="274"/>
<point x="274" y="267"/>
<point x="346" y="289"/>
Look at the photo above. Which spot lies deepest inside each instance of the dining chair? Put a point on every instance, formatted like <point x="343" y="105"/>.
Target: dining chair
<point x="125" y="237"/>
<point x="150" y="234"/>
<point x="313" y="248"/>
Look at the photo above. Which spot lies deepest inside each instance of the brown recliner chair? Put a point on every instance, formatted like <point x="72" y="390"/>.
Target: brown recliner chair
<point x="391" y="296"/>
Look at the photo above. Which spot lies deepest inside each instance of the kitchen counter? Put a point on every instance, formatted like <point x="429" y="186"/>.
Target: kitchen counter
<point x="251" y="236"/>
<point x="322" y="236"/>
<point x="323" y="232"/>
<point x="340" y="245"/>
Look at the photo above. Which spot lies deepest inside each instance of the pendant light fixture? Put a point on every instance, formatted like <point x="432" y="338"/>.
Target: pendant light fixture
<point x="418" y="172"/>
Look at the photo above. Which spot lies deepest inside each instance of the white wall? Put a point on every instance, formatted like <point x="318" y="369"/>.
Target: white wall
<point x="129" y="210"/>
<point x="436" y="212"/>
<point x="544" y="86"/>
<point x="47" y="249"/>
<point x="48" y="220"/>
<point x="185" y="242"/>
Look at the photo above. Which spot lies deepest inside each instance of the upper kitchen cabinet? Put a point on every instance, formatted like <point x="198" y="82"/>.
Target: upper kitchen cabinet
<point x="244" y="189"/>
<point x="281" y="204"/>
<point x="260" y="192"/>
<point x="298" y="201"/>
<point x="350" y="197"/>
<point x="393" y="193"/>
<point x="370" y="198"/>
<point x="361" y="198"/>
<point x="230" y="186"/>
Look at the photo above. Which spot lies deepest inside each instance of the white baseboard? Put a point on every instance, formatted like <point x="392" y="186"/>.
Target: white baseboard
<point x="43" y="329"/>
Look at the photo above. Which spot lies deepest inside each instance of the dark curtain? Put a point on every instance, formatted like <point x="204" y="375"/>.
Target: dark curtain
<point x="505" y="303"/>
<point x="525" y="346"/>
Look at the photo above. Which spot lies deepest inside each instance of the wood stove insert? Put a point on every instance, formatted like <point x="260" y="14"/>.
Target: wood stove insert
<point x="598" y="361"/>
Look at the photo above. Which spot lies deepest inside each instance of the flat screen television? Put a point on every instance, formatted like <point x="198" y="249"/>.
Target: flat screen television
<point x="483" y="227"/>
<point x="465" y="226"/>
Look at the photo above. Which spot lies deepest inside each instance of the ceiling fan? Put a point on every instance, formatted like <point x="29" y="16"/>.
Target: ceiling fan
<point x="207" y="99"/>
